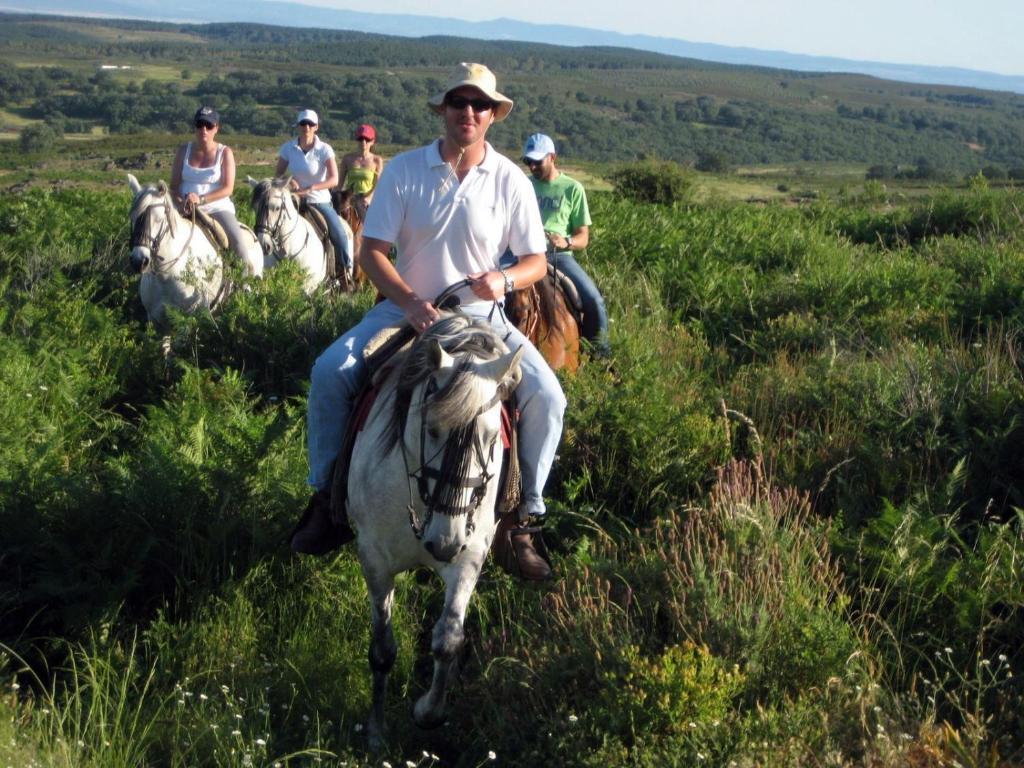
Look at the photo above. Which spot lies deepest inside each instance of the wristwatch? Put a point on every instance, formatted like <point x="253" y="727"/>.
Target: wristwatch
<point x="510" y="284"/>
<point x="568" y="242"/>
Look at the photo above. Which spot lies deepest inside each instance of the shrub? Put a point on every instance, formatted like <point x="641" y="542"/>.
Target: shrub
<point x="37" y="137"/>
<point x="652" y="182"/>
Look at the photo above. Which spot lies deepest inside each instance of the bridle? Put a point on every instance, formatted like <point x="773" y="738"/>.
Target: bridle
<point x="453" y="476"/>
<point x="274" y="232"/>
<point x="143" y="237"/>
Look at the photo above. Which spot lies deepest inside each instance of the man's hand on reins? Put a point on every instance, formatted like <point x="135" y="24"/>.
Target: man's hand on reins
<point x="489" y="286"/>
<point x="420" y="313"/>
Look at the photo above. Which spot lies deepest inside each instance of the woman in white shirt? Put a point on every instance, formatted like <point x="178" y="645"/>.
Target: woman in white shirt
<point x="314" y="171"/>
<point x="203" y="178"/>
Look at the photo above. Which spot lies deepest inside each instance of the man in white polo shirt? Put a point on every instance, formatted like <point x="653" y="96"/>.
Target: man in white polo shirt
<point x="450" y="209"/>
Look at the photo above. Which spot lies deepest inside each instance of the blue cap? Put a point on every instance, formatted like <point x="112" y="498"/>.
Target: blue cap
<point x="538" y="146"/>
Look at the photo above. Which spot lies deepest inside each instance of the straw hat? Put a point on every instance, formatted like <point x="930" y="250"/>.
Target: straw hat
<point x="477" y="76"/>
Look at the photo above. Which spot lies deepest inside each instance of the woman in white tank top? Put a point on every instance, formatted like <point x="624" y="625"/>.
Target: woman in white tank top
<point x="204" y="177"/>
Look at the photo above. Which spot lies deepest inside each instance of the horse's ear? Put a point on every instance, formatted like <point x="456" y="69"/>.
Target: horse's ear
<point x="252" y="182"/>
<point x="161" y="187"/>
<point x="282" y="181"/>
<point x="438" y="357"/>
<point x="133" y="184"/>
<point x="505" y="370"/>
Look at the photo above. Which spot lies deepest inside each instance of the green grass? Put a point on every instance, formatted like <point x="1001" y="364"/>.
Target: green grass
<point x="795" y="489"/>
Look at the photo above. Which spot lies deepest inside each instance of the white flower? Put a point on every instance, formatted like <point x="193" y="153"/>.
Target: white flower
<point x="236" y="732"/>
<point x="203" y="697"/>
<point x="262" y="743"/>
<point x="491" y="755"/>
<point x="573" y="718"/>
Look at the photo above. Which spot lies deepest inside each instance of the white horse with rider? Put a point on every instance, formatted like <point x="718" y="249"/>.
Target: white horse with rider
<point x="178" y="264"/>
<point x="286" y="234"/>
<point x="422" y="487"/>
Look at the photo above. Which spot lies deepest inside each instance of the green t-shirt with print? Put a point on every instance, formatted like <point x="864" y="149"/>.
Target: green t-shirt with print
<point x="563" y="204"/>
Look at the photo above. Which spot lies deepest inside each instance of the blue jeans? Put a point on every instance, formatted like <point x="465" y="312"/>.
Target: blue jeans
<point x="340" y="371"/>
<point x="595" y="315"/>
<point x="339" y="237"/>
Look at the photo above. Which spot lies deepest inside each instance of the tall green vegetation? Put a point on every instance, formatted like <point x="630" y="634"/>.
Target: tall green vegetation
<point x="786" y="519"/>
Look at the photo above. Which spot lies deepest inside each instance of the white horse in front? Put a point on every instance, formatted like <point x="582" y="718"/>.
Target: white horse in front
<point x="285" y="234"/>
<point x="422" y="487"/>
<point x="179" y="266"/>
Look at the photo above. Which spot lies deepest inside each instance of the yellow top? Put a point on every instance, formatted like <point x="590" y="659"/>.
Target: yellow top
<point x="360" y="180"/>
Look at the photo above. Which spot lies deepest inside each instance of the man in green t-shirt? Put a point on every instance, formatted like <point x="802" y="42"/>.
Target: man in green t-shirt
<point x="566" y="217"/>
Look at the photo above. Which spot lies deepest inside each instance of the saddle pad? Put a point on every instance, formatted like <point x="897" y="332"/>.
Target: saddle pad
<point x="212" y="229"/>
<point x="572" y="296"/>
<point x="387" y="342"/>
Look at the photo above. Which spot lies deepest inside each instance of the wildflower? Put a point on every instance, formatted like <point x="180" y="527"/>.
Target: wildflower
<point x="410" y="764"/>
<point x="261" y="743"/>
<point x="947" y="649"/>
<point x="305" y="718"/>
<point x="203" y="697"/>
<point x="386" y="764"/>
<point x="237" y="716"/>
<point x="985" y="662"/>
<point x="1002" y="657"/>
<point x="214" y="726"/>
<point x="181" y="702"/>
<point x="693" y="724"/>
<point x="224" y="689"/>
<point x="236" y="732"/>
<point x="491" y="755"/>
<point x="573" y="718"/>
<point x="15" y="686"/>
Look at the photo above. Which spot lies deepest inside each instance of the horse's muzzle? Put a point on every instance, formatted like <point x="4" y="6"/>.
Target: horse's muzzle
<point x="443" y="553"/>
<point x="140" y="258"/>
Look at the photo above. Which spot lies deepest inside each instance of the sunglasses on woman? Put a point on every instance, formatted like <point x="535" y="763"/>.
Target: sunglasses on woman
<point x="206" y="125"/>
<point x="306" y="123"/>
<point x="461" y="102"/>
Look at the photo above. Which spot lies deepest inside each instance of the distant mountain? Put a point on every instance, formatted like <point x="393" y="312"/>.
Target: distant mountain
<point x="298" y="15"/>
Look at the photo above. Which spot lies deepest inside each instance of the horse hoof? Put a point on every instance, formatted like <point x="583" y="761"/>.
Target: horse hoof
<point x="427" y="718"/>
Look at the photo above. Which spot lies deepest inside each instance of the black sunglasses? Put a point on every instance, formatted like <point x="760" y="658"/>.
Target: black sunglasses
<point x="206" y="125"/>
<point x="307" y="123"/>
<point x="531" y="162"/>
<point x="363" y="138"/>
<point x="461" y="102"/>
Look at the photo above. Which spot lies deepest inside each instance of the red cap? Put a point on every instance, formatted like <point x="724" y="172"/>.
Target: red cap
<point x="366" y="132"/>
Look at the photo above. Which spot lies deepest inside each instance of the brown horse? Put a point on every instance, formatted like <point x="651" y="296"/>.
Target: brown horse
<point x="544" y="314"/>
<point x="352" y="212"/>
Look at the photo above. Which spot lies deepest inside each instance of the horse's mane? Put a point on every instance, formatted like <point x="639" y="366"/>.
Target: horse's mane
<point x="459" y="401"/>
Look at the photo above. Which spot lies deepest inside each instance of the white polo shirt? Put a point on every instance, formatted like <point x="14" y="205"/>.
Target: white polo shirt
<point x="309" y="168"/>
<point x="444" y="229"/>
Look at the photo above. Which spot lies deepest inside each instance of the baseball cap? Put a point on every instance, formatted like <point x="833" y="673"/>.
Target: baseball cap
<point x="366" y="131"/>
<point x="538" y="146"/>
<point x="307" y="115"/>
<point x="207" y="115"/>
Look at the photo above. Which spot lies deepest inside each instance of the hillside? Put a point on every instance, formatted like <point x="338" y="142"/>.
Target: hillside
<point x="601" y="104"/>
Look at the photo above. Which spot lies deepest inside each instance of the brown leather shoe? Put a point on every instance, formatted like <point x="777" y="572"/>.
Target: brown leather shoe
<point x="516" y="552"/>
<point x="317" y="533"/>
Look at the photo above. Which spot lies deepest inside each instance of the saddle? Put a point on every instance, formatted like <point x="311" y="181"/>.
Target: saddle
<point x="568" y="288"/>
<point x="210" y="227"/>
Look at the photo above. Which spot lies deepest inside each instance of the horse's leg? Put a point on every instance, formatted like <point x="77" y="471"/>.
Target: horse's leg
<point x="448" y="638"/>
<point x="383" y="650"/>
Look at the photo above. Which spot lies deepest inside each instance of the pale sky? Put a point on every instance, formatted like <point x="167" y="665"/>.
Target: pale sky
<point x="974" y="34"/>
